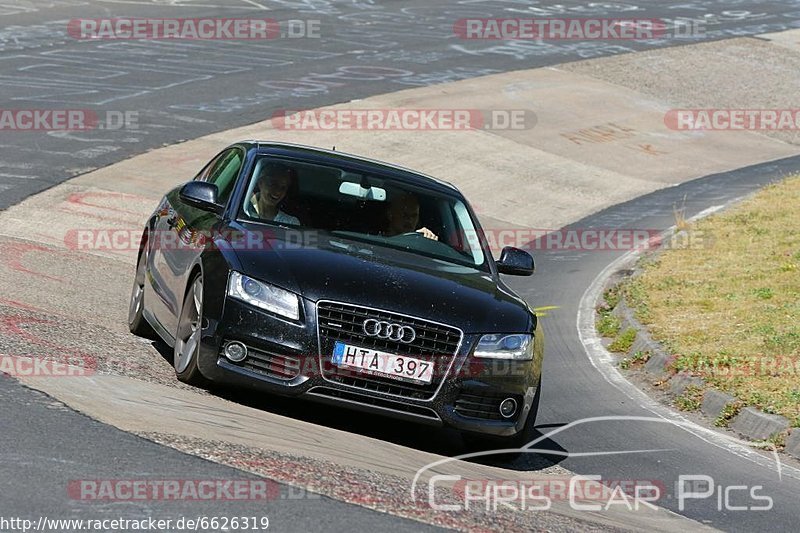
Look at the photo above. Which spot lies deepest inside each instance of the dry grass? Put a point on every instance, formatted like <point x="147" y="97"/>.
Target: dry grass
<point x="730" y="311"/>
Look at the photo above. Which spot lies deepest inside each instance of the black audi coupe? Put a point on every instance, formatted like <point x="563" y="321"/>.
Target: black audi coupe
<point x="307" y="272"/>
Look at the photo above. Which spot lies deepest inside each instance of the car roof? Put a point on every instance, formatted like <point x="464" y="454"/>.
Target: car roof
<point x="321" y="155"/>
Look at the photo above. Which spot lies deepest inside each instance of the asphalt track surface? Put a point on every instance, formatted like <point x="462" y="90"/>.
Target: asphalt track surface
<point x="573" y="390"/>
<point x="46" y="446"/>
<point x="183" y="91"/>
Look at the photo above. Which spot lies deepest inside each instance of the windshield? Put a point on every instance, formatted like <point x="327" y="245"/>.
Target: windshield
<point x="366" y="207"/>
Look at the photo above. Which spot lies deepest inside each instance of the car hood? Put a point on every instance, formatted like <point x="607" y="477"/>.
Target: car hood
<point x="327" y="267"/>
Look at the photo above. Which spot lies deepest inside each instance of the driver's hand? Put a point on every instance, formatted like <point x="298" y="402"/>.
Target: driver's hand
<point x="428" y="233"/>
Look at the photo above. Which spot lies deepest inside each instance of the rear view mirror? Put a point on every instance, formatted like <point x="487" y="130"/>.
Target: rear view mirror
<point x="355" y="189"/>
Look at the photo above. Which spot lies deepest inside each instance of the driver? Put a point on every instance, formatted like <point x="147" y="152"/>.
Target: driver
<point x="273" y="184"/>
<point x="403" y="217"/>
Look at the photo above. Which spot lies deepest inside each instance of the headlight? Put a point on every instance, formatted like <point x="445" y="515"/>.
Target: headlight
<point x="518" y="347"/>
<point x="263" y="295"/>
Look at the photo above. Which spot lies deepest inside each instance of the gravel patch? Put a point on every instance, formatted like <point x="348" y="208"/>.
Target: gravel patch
<point x="380" y="492"/>
<point x="95" y="349"/>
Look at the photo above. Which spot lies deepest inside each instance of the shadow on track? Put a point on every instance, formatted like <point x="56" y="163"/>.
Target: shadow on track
<point x="441" y="441"/>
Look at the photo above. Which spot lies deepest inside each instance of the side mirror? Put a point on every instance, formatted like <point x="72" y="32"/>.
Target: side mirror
<point x="515" y="262"/>
<point x="202" y="195"/>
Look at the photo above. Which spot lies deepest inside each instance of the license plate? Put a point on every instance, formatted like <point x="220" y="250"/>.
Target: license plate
<point x="400" y="367"/>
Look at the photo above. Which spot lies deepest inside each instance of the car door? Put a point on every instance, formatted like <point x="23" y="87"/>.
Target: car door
<point x="182" y="229"/>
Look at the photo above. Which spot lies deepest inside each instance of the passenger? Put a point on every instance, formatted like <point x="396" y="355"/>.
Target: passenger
<point x="274" y="181"/>
<point x="403" y="217"/>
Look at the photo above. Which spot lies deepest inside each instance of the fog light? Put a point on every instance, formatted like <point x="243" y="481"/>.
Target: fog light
<point x="235" y="351"/>
<point x="508" y="407"/>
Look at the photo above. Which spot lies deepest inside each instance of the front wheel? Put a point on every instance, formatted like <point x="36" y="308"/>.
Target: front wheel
<point x="187" y="339"/>
<point x="137" y="323"/>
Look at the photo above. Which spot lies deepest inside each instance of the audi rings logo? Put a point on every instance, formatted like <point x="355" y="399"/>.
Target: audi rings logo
<point x="386" y="330"/>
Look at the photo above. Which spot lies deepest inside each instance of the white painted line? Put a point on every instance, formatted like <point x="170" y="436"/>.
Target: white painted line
<point x="256" y="4"/>
<point x="704" y="213"/>
<point x="605" y="363"/>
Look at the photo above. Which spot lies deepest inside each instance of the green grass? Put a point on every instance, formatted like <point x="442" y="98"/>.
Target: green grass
<point x="691" y="399"/>
<point x="612" y="297"/>
<point x="728" y="413"/>
<point x="624" y="341"/>
<point x="608" y="325"/>
<point x="729" y="312"/>
<point x="637" y="358"/>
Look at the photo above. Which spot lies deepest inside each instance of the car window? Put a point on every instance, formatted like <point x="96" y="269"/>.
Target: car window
<point x="223" y="172"/>
<point x="376" y="208"/>
<point x="203" y="174"/>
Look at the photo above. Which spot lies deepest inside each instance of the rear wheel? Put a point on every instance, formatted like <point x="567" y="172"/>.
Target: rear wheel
<point x="137" y="323"/>
<point x="187" y="340"/>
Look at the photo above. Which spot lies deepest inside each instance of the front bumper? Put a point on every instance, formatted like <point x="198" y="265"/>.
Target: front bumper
<point x="285" y="360"/>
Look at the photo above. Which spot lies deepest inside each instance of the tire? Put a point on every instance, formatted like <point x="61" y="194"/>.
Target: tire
<point x="187" y="338"/>
<point x="478" y="443"/>
<point x="137" y="323"/>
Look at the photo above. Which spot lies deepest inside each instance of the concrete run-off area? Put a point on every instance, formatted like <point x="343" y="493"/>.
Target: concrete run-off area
<point x="598" y="140"/>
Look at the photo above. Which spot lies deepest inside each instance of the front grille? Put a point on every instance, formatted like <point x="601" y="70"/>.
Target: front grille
<point x="431" y="339"/>
<point x="435" y="343"/>
<point x="270" y="364"/>
<point x="486" y="407"/>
